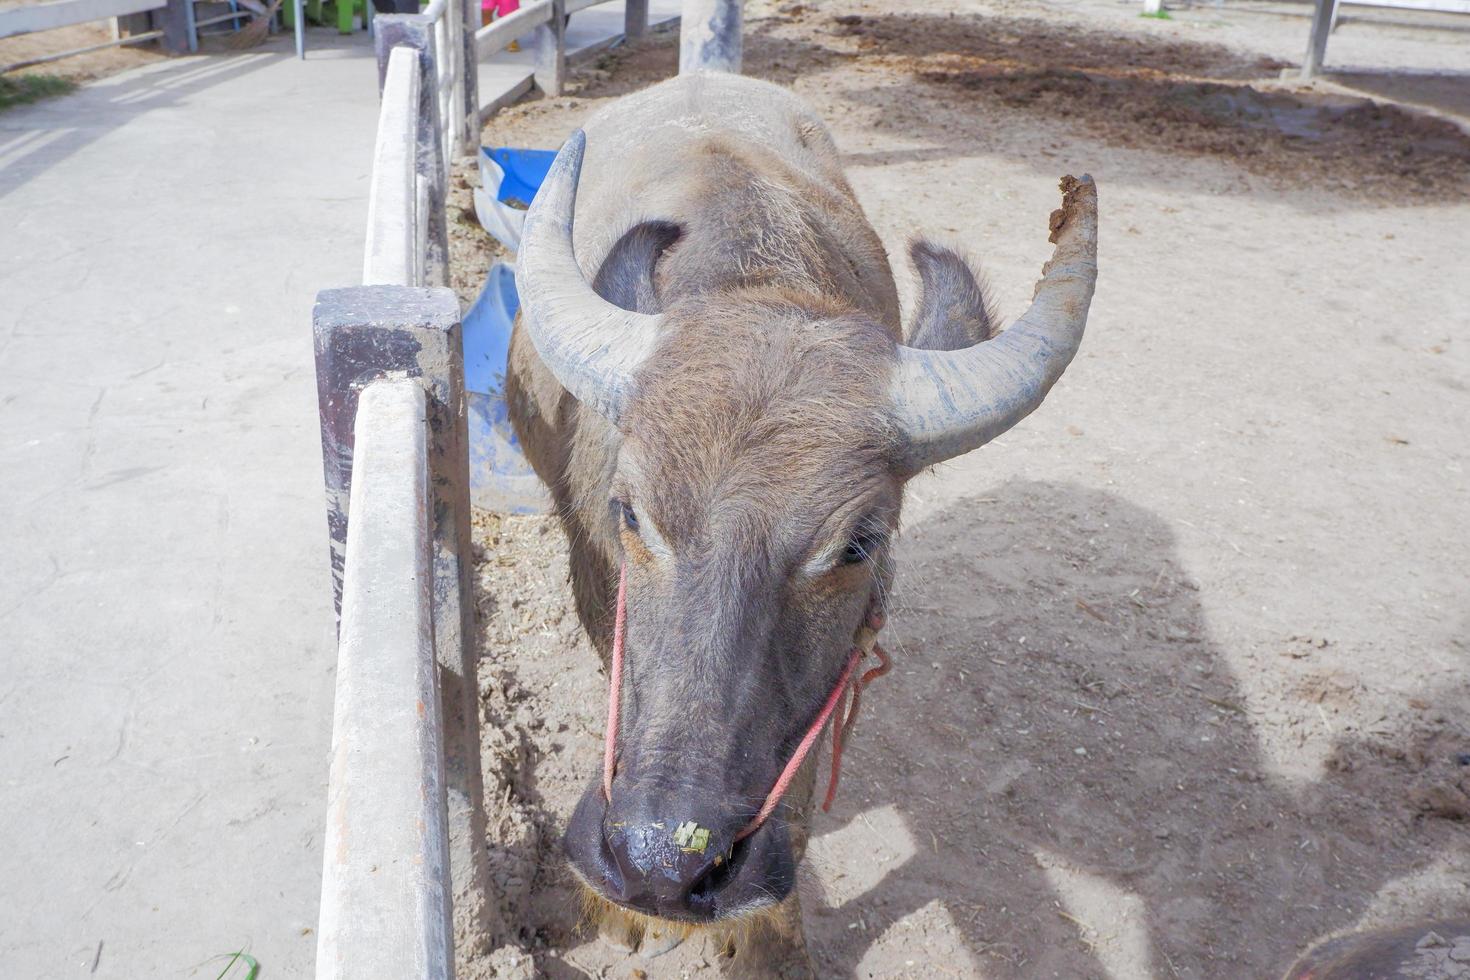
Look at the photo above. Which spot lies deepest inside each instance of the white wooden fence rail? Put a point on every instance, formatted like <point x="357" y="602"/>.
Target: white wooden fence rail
<point x="385" y="909"/>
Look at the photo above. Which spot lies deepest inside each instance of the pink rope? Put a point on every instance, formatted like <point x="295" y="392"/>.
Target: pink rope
<point x="841" y="732"/>
<point x="615" y="688"/>
<point x="812" y="734"/>
<point x="793" y="765"/>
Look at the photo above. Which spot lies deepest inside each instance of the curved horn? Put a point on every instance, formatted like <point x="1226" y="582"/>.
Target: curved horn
<point x="592" y="346"/>
<point x="950" y="402"/>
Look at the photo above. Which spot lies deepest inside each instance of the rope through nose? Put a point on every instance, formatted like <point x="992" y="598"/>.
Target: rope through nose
<point x="840" y="731"/>
<point x="615" y="687"/>
<point x="812" y="734"/>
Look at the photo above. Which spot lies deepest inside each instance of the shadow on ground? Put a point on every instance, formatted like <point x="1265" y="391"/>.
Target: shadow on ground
<point x="1050" y="618"/>
<point x="35" y="138"/>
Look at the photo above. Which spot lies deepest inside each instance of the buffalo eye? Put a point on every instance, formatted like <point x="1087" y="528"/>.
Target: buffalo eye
<point x="624" y="512"/>
<point x="863" y="544"/>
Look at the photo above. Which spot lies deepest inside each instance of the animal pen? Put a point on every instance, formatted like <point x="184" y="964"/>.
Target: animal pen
<point x="405" y="860"/>
<point x="404" y="866"/>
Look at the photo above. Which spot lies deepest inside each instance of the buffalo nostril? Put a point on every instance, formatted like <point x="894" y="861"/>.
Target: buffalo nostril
<point x="720" y="872"/>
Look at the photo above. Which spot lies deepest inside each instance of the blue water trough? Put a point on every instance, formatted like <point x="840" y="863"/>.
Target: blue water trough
<point x="500" y="478"/>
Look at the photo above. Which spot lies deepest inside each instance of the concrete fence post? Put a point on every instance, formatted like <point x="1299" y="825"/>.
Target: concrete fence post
<point x="417" y="31"/>
<point x="176" y="20"/>
<point x="635" y="19"/>
<point x="360" y="334"/>
<point x="710" y="36"/>
<point x="469" y="138"/>
<point x="551" y="51"/>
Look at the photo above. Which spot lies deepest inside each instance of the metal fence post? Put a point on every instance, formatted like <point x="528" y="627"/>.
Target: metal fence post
<point x="635" y="19"/>
<point x="551" y="51"/>
<point x="360" y="334"/>
<point x="1322" y="18"/>
<point x="417" y="32"/>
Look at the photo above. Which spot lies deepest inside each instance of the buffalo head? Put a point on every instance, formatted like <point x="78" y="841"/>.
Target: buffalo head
<point x="763" y="438"/>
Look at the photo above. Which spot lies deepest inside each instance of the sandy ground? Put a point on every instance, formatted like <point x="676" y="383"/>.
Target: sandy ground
<point x="1181" y="679"/>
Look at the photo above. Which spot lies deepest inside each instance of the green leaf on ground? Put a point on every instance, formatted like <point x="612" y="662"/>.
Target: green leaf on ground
<point x="252" y="966"/>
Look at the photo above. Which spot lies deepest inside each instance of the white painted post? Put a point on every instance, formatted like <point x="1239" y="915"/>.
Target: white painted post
<point x="551" y="51"/>
<point x="710" y="36"/>
<point x="385" y="881"/>
<point x="1152" y="8"/>
<point x="1322" y="17"/>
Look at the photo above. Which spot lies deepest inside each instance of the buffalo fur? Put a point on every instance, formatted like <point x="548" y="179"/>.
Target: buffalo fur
<point x="754" y="455"/>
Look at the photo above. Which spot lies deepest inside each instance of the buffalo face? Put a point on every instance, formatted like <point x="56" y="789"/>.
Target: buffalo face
<point x="753" y="503"/>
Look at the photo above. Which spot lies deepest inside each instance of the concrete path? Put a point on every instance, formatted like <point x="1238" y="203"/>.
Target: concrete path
<point x="166" y="632"/>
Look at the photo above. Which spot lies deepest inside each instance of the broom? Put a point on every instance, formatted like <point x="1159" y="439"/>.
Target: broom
<point x="259" y="26"/>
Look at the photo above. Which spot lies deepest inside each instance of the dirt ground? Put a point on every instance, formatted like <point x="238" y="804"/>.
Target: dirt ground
<point x="1182" y="660"/>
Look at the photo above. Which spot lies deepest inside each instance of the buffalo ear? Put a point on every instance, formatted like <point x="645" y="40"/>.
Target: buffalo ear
<point x="626" y="278"/>
<point x="955" y="308"/>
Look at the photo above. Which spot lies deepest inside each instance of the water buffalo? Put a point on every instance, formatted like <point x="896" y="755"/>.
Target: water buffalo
<point x="711" y="374"/>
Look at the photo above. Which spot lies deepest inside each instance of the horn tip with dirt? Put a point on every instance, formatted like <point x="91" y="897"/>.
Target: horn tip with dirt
<point x="1077" y="193"/>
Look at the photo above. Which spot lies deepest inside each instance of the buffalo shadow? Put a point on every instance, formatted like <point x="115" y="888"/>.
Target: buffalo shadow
<point x="1049" y="617"/>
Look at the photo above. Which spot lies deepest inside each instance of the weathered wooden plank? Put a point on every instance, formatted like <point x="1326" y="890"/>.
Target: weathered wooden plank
<point x="468" y="122"/>
<point x="418" y="32"/>
<point x="63" y="13"/>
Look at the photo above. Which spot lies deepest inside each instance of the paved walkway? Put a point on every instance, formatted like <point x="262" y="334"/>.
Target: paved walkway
<point x="166" y="633"/>
<point x="165" y="616"/>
